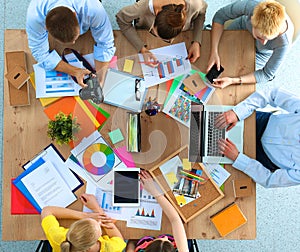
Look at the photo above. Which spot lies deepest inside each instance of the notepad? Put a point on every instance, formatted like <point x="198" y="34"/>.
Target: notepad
<point x="228" y="219"/>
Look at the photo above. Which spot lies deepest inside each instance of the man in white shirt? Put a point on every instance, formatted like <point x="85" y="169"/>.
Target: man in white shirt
<point x="277" y="161"/>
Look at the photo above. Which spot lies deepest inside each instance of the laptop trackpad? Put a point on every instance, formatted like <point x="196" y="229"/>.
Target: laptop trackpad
<point x="236" y="136"/>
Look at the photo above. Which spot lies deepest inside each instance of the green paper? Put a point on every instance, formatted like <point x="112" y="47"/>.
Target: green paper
<point x="116" y="136"/>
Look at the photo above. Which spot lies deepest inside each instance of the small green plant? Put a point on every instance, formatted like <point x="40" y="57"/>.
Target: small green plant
<point x="63" y="128"/>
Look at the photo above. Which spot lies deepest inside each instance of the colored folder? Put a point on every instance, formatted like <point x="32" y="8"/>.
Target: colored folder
<point x="89" y="117"/>
<point x="19" y="203"/>
<point x="228" y="219"/>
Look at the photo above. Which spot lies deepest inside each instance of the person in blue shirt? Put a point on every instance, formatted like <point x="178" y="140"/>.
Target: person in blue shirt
<point x="65" y="21"/>
<point x="277" y="161"/>
<point x="271" y="28"/>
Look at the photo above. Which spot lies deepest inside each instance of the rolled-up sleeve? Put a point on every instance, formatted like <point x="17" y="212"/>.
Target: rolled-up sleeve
<point x="102" y="33"/>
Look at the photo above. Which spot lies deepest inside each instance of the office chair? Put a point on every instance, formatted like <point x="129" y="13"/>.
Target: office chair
<point x="292" y="8"/>
<point x="44" y="246"/>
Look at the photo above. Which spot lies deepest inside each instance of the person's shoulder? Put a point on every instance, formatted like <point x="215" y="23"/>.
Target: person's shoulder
<point x="111" y="243"/>
<point x="197" y="4"/>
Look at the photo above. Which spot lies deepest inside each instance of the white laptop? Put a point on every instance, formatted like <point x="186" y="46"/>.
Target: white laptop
<point x="204" y="136"/>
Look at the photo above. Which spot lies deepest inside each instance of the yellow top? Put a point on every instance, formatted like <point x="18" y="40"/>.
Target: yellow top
<point x="57" y="234"/>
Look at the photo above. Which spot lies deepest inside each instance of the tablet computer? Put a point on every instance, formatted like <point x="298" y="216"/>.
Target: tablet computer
<point x="126" y="187"/>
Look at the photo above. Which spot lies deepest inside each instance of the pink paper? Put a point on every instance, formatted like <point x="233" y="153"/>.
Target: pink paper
<point x="125" y="156"/>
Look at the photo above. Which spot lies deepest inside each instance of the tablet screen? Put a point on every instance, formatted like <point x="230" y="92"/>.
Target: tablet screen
<point x="126" y="187"/>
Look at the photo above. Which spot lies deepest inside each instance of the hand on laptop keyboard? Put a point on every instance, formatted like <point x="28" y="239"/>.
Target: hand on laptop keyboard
<point x="228" y="149"/>
<point x="227" y="119"/>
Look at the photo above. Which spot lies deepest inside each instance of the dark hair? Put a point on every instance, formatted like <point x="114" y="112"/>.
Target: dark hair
<point x="62" y="24"/>
<point x="160" y="246"/>
<point x="170" y="20"/>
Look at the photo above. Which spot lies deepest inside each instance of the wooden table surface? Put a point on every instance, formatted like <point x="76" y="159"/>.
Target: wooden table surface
<point x="25" y="134"/>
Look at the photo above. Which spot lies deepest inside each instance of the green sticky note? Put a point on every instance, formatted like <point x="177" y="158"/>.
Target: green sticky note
<point x="116" y="136"/>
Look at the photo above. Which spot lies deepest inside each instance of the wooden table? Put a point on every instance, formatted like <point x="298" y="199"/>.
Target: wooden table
<point x="25" y="134"/>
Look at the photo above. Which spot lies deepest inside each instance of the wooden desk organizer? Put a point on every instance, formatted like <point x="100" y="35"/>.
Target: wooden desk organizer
<point x="18" y="96"/>
<point x="210" y="192"/>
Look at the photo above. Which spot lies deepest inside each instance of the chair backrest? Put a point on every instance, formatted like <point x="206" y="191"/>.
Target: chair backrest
<point x="292" y="8"/>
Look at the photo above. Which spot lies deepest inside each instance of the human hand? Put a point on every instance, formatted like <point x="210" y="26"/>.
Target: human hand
<point x="194" y="52"/>
<point x="228" y="148"/>
<point x="149" y="57"/>
<point x="149" y="184"/>
<point x="79" y="74"/>
<point x="227" y="119"/>
<point x="104" y="220"/>
<point x="213" y="59"/>
<point x="222" y="82"/>
<point x="90" y="201"/>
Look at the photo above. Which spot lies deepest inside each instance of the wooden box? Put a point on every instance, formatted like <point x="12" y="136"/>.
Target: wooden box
<point x="17" y="97"/>
<point x="210" y="193"/>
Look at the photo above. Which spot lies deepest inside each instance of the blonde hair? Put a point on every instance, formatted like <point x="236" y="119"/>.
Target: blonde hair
<point x="81" y="236"/>
<point x="268" y="18"/>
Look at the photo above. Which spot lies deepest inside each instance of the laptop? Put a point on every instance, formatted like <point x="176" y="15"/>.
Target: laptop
<point x="204" y="136"/>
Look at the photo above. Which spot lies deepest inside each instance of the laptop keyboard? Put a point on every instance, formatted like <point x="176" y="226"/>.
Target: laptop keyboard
<point x="214" y="134"/>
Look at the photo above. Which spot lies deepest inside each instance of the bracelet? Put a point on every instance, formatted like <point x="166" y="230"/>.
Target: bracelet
<point x="240" y="80"/>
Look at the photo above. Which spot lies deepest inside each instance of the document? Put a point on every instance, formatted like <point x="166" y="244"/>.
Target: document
<point x="172" y="60"/>
<point x="47" y="187"/>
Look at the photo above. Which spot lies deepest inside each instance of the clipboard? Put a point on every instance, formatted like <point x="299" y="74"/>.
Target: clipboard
<point x="116" y="83"/>
<point x="52" y="154"/>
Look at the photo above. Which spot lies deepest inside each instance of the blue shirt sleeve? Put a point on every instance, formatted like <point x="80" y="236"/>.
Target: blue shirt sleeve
<point x="263" y="176"/>
<point x="102" y="33"/>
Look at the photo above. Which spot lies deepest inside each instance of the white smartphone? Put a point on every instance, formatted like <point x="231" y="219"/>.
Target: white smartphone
<point x="126" y="187"/>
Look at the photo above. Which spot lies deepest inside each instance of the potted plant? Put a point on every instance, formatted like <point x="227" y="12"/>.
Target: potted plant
<point x="63" y="128"/>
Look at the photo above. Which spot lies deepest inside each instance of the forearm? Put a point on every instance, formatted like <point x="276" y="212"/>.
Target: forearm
<point x="101" y="68"/>
<point x="62" y="213"/>
<point x="167" y="207"/>
<point x="66" y="68"/>
<point x="216" y="33"/>
<point x="244" y="79"/>
<point x="198" y="27"/>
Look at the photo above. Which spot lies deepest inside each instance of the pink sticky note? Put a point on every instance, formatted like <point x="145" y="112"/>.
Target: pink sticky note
<point x="125" y="156"/>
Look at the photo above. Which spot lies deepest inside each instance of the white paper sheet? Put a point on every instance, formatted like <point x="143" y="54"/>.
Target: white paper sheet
<point x="218" y="173"/>
<point x="47" y="187"/>
<point x="172" y="63"/>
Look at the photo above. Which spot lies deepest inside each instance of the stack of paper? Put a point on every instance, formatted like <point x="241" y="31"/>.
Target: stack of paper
<point x="46" y="181"/>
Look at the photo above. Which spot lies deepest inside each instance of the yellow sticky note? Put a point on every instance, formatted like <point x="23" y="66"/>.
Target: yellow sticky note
<point x="180" y="200"/>
<point x="186" y="164"/>
<point x="128" y="65"/>
<point x="171" y="177"/>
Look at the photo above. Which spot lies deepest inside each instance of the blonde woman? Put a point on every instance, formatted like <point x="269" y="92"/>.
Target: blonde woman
<point x="164" y="19"/>
<point x="271" y="28"/>
<point x="85" y="234"/>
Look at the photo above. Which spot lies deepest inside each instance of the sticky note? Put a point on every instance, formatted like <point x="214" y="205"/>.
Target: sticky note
<point x="180" y="200"/>
<point x="128" y="65"/>
<point x="186" y="164"/>
<point x="116" y="136"/>
<point x="171" y="177"/>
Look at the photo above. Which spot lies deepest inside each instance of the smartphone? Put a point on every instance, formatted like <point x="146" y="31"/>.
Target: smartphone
<point x="214" y="73"/>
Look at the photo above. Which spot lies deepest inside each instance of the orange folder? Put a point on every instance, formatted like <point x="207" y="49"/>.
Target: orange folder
<point x="228" y="219"/>
<point x="85" y="117"/>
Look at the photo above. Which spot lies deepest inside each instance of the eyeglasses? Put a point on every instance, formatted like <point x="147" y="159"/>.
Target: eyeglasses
<point x="137" y="89"/>
<point x="152" y="32"/>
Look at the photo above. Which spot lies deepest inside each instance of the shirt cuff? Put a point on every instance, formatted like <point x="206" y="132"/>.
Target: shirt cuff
<point x="104" y="55"/>
<point x="241" y="163"/>
<point x="241" y="111"/>
<point x="51" y="61"/>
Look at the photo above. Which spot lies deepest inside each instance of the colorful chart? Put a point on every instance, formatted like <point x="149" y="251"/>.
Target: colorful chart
<point x="98" y="159"/>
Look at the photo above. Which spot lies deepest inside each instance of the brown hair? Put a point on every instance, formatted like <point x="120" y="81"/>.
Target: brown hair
<point x="62" y="24"/>
<point x="170" y="20"/>
<point x="82" y="235"/>
<point x="160" y="246"/>
<point x="268" y="17"/>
